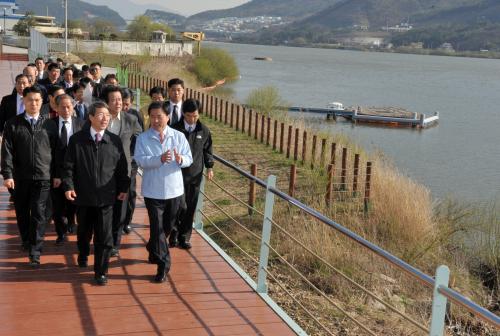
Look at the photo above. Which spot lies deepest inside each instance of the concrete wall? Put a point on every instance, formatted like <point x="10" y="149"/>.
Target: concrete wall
<point x="125" y="47"/>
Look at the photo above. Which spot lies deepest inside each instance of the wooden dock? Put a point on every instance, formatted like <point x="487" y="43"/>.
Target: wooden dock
<point x="386" y="116"/>
<point x="202" y="296"/>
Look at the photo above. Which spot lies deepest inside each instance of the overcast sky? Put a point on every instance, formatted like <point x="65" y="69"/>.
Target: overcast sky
<point x="193" y="6"/>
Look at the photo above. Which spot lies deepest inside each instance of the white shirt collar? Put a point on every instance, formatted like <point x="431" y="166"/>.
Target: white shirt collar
<point x="186" y="126"/>
<point x="93" y="132"/>
<point x="62" y="119"/>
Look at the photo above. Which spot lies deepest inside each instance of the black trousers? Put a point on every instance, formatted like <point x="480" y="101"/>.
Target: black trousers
<point x="132" y="196"/>
<point x="162" y="216"/>
<point x="63" y="211"/>
<point x="185" y="223"/>
<point x="30" y="203"/>
<point x="119" y="211"/>
<point x="96" y="221"/>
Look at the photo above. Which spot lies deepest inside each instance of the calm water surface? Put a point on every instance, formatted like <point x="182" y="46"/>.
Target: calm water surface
<point x="461" y="156"/>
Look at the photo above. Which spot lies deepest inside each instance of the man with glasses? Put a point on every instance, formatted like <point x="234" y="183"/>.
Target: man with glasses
<point x="95" y="72"/>
<point x="94" y="177"/>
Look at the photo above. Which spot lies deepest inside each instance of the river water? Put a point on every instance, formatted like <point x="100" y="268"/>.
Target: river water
<point x="459" y="157"/>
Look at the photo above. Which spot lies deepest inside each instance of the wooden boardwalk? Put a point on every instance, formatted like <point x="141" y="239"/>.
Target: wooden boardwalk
<point x="202" y="296"/>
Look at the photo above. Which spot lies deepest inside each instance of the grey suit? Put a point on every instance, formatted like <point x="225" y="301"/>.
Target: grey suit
<point x="129" y="130"/>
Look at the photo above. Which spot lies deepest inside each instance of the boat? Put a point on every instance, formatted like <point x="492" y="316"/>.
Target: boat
<point x="263" y="58"/>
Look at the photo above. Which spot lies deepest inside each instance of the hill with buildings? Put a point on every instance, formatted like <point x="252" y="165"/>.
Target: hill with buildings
<point x="77" y="10"/>
<point x="168" y="18"/>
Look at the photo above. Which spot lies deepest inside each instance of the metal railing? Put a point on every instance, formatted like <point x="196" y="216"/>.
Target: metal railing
<point x="439" y="284"/>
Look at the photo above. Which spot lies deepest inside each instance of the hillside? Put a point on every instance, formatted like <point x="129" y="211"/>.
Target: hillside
<point x="378" y="13"/>
<point x="284" y="8"/>
<point x="77" y="10"/>
<point x="167" y="18"/>
<point x="486" y="11"/>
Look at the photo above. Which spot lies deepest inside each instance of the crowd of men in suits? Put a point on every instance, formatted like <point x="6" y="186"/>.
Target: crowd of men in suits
<point x="72" y="147"/>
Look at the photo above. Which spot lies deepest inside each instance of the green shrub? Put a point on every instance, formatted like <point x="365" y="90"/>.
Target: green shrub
<point x="214" y="65"/>
<point x="266" y="100"/>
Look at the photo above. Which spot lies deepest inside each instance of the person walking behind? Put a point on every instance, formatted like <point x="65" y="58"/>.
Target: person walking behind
<point x="94" y="176"/>
<point x="27" y="162"/>
<point x="161" y="152"/>
<point x="63" y="211"/>
<point x="200" y="142"/>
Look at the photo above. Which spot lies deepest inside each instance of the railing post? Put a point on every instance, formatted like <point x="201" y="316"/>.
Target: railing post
<point x="198" y="217"/>
<point x="251" y="191"/>
<point x="266" y="236"/>
<point x="439" y="301"/>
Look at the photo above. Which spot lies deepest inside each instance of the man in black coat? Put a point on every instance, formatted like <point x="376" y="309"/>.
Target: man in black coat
<point x="63" y="211"/>
<point x="13" y="104"/>
<point x="28" y="147"/>
<point x="94" y="177"/>
<point x="127" y="127"/>
<point x="200" y="142"/>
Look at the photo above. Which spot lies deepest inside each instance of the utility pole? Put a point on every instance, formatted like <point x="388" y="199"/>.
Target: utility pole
<point x="66" y="27"/>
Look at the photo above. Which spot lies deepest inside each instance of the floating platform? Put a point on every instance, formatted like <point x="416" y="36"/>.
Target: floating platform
<point x="386" y="116"/>
<point x="263" y="58"/>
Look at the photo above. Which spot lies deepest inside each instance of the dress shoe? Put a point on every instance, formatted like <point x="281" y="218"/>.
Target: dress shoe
<point x="101" y="280"/>
<point x="114" y="252"/>
<point x="161" y="274"/>
<point x="185" y="245"/>
<point x="34" y="261"/>
<point x="60" y="240"/>
<point x="173" y="243"/>
<point x="127" y="229"/>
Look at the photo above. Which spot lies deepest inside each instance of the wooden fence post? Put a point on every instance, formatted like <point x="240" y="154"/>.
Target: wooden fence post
<point x="243" y="119"/>
<point x="238" y="118"/>
<point x="296" y="145"/>
<point x="231" y="123"/>
<point x="323" y="152"/>
<point x="313" y="154"/>
<point x="216" y="103"/>
<point x="343" y="174"/>
<point x="256" y="126"/>
<point x="355" y="175"/>
<point x="368" y="186"/>
<point x="332" y="154"/>
<point x="329" y="186"/>
<point x="250" y="112"/>
<point x="282" y="136"/>
<point x="268" y="131"/>
<point x="221" y="109"/>
<point x="262" y="122"/>
<point x="251" y="193"/>
<point x="275" y="135"/>
<point x="304" y="147"/>
<point x="293" y="180"/>
<point x="226" y="112"/>
<point x="211" y="107"/>
<point x="289" y="143"/>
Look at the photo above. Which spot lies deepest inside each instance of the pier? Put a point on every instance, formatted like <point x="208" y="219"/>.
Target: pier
<point x="391" y="117"/>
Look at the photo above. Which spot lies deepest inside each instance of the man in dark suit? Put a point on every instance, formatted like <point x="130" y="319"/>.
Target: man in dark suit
<point x="13" y="104"/>
<point x="66" y="80"/>
<point x="50" y="109"/>
<point x="127" y="127"/>
<point x="63" y="211"/>
<point x="54" y="72"/>
<point x="40" y="65"/>
<point x="200" y="142"/>
<point x="81" y="110"/>
<point x="28" y="147"/>
<point x="94" y="177"/>
<point x="175" y="95"/>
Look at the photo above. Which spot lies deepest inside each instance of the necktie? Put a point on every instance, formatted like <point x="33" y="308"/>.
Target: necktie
<point x="174" y="116"/>
<point x="32" y="122"/>
<point x="97" y="138"/>
<point x="79" y="109"/>
<point x="190" y="129"/>
<point x="64" y="133"/>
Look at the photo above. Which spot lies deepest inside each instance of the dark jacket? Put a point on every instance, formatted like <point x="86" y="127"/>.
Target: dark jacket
<point x="28" y="154"/>
<point x="8" y="109"/>
<point x="200" y="142"/>
<point x="96" y="172"/>
<point x="60" y="152"/>
<point x="129" y="130"/>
